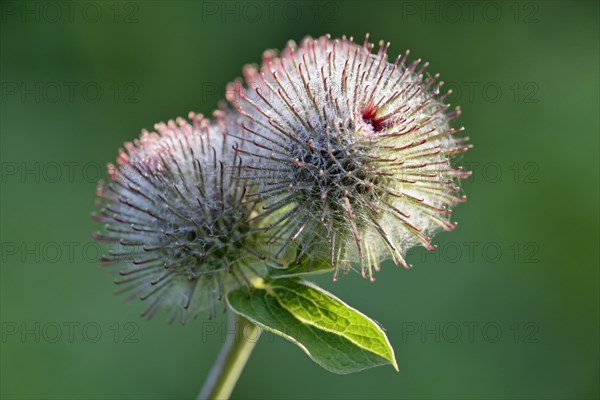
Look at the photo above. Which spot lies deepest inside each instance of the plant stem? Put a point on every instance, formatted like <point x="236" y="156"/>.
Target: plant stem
<point x="231" y="359"/>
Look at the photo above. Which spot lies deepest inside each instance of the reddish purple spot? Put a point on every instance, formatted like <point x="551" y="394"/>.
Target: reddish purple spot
<point x="369" y="116"/>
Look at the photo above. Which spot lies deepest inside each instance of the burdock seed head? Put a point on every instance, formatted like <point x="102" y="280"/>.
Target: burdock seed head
<point x="356" y="151"/>
<point x="175" y="210"/>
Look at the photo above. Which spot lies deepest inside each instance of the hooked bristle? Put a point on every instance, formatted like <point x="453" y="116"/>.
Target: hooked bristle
<point x="174" y="211"/>
<point x="350" y="154"/>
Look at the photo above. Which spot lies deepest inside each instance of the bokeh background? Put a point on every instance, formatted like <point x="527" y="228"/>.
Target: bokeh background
<point x="507" y="307"/>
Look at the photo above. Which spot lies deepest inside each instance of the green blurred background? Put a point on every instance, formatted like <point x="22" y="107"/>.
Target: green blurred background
<point x="507" y="308"/>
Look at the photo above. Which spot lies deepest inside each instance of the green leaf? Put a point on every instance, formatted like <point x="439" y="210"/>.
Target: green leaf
<point x="306" y="266"/>
<point x="335" y="336"/>
<point x="314" y="306"/>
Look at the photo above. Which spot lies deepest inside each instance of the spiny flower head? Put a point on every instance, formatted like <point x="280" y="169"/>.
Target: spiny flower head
<point x="175" y="210"/>
<point x="352" y="153"/>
